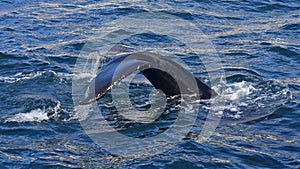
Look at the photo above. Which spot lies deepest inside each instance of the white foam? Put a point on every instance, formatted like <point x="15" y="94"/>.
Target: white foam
<point x="237" y="95"/>
<point x="20" y="76"/>
<point x="27" y="76"/>
<point x="36" y="115"/>
<point x="234" y="109"/>
<point x="238" y="90"/>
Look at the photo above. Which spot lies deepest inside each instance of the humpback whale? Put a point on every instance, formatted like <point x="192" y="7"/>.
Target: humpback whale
<point x="164" y="74"/>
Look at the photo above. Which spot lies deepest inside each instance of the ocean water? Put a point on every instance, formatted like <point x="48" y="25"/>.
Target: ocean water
<point x="257" y="43"/>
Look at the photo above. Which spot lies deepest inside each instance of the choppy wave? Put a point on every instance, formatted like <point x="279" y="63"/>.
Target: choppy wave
<point x="11" y="6"/>
<point x="247" y="98"/>
<point x="27" y="76"/>
<point x="247" y="101"/>
<point x="39" y="114"/>
<point x="257" y="41"/>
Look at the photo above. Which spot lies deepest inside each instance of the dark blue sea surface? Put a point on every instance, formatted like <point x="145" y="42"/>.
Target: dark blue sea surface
<point x="258" y="43"/>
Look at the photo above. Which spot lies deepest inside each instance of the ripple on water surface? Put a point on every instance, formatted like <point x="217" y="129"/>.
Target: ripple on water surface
<point x="257" y="41"/>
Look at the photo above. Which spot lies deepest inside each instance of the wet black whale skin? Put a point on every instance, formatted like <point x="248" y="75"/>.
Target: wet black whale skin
<point x="155" y="68"/>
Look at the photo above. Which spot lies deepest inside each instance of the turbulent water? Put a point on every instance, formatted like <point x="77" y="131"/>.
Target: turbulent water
<point x="256" y="41"/>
